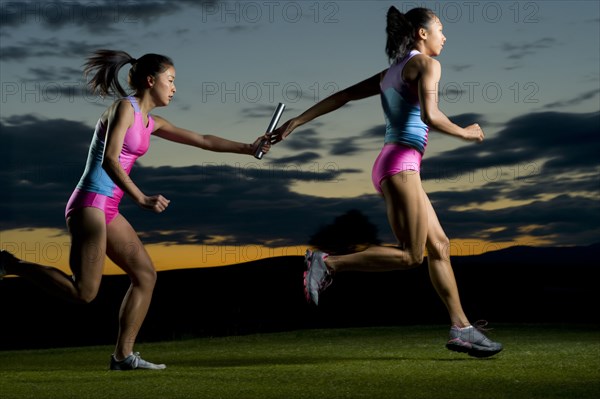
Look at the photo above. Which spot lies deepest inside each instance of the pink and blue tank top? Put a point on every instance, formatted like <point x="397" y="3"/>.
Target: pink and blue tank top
<point x="136" y="143"/>
<point x="401" y="108"/>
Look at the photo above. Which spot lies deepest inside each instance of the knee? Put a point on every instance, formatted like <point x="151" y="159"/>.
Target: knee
<point x="440" y="249"/>
<point x="145" y="278"/>
<point x="415" y="258"/>
<point x="412" y="257"/>
<point x="86" y="295"/>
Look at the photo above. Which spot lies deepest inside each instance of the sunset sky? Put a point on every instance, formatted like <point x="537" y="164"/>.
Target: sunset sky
<point x="527" y="71"/>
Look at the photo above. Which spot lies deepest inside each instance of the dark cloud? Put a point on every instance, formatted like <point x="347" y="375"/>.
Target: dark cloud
<point x="302" y="158"/>
<point x="42" y="160"/>
<point x="538" y="143"/>
<point x="241" y="29"/>
<point x="50" y="47"/>
<point x="305" y="139"/>
<point x="563" y="220"/>
<point x="547" y="159"/>
<point x="52" y="74"/>
<point x="376" y="132"/>
<point x="96" y="17"/>
<point x="460" y="68"/>
<point x="588" y="95"/>
<point x="345" y="146"/>
<point x="518" y="51"/>
<point x="250" y="203"/>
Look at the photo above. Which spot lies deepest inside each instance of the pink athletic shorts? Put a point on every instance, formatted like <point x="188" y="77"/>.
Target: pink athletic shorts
<point x="393" y="159"/>
<point x="83" y="199"/>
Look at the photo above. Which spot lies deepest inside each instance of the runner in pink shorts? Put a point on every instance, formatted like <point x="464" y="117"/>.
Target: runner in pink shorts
<point x="408" y="90"/>
<point x="96" y="227"/>
<point x="96" y="189"/>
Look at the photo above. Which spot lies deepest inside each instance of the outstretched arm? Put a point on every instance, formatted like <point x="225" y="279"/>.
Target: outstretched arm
<point x="430" y="74"/>
<point x="168" y="131"/>
<point x="364" y="89"/>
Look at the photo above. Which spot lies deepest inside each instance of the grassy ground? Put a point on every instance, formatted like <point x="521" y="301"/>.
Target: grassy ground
<point x="543" y="362"/>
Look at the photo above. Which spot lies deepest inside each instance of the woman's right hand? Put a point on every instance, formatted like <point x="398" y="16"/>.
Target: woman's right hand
<point x="283" y="131"/>
<point x="474" y="133"/>
<point x="154" y="203"/>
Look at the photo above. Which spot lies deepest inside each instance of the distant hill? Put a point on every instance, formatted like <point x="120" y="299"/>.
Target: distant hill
<point x="518" y="284"/>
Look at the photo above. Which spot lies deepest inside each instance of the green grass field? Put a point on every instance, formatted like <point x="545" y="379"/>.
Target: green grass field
<point x="543" y="362"/>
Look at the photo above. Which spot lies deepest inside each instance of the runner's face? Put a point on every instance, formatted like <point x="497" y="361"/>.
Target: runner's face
<point x="435" y="39"/>
<point x="164" y="86"/>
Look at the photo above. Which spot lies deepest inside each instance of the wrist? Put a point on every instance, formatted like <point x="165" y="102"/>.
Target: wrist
<point x="297" y="122"/>
<point x="140" y="199"/>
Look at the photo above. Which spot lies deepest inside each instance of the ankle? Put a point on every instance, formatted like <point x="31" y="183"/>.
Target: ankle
<point x="461" y="324"/>
<point x="330" y="262"/>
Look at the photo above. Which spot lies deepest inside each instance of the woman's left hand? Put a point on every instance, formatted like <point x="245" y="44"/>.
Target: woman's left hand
<point x="263" y="141"/>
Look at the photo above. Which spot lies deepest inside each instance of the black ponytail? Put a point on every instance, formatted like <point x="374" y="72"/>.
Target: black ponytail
<point x="106" y="64"/>
<point x="401" y="30"/>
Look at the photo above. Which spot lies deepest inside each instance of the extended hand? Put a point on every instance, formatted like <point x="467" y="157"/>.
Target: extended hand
<point x="283" y="131"/>
<point x="265" y="141"/>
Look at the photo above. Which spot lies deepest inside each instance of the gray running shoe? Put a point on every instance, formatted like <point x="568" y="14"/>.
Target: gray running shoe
<point x="133" y="362"/>
<point x="317" y="276"/>
<point x="472" y="341"/>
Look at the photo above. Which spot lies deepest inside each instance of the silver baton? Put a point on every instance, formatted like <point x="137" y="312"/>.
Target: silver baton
<point x="274" y="120"/>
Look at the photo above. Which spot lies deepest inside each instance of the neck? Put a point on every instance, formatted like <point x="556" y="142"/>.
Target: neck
<point x="145" y="102"/>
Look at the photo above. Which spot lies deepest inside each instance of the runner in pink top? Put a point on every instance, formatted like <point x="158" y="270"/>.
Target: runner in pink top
<point x="96" y="227"/>
<point x="95" y="188"/>
<point x="409" y="97"/>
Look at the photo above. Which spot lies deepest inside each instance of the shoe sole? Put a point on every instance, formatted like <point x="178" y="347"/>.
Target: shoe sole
<point x="472" y="351"/>
<point x="307" y="262"/>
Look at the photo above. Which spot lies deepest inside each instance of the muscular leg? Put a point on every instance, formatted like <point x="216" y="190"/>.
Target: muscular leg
<point x="440" y="269"/>
<point x="87" y="227"/>
<point x="407" y="215"/>
<point x="127" y="251"/>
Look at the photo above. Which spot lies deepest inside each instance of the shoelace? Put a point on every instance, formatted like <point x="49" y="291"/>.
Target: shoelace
<point x="136" y="359"/>
<point x="480" y="326"/>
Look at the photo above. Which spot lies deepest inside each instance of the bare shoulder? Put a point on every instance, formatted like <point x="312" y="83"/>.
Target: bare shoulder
<point x="120" y="110"/>
<point x="418" y="66"/>
<point x="424" y="62"/>
<point x="159" y="122"/>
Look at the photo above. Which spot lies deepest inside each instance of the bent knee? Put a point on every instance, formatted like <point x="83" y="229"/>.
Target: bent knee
<point x="415" y="259"/>
<point x="146" y="277"/>
<point x="412" y="258"/>
<point x="86" y="295"/>
<point x="440" y="249"/>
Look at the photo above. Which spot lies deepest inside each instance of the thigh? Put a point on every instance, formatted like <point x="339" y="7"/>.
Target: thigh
<point x="126" y="250"/>
<point x="87" y="228"/>
<point x="406" y="209"/>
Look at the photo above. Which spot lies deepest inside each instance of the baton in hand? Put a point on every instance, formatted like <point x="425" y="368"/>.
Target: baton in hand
<point x="274" y="120"/>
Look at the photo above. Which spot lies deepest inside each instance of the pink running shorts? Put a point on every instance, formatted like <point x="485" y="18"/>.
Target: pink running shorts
<point x="393" y="159"/>
<point x="83" y="199"/>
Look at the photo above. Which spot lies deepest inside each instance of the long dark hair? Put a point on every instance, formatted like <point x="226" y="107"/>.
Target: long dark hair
<point x="401" y="30"/>
<point x="104" y="65"/>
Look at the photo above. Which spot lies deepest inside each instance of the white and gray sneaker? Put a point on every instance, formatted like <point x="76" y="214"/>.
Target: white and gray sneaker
<point x="133" y="362"/>
<point x="472" y="341"/>
<point x="317" y="276"/>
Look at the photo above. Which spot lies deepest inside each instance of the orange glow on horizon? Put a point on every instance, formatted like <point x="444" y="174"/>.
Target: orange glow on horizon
<point x="50" y="247"/>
